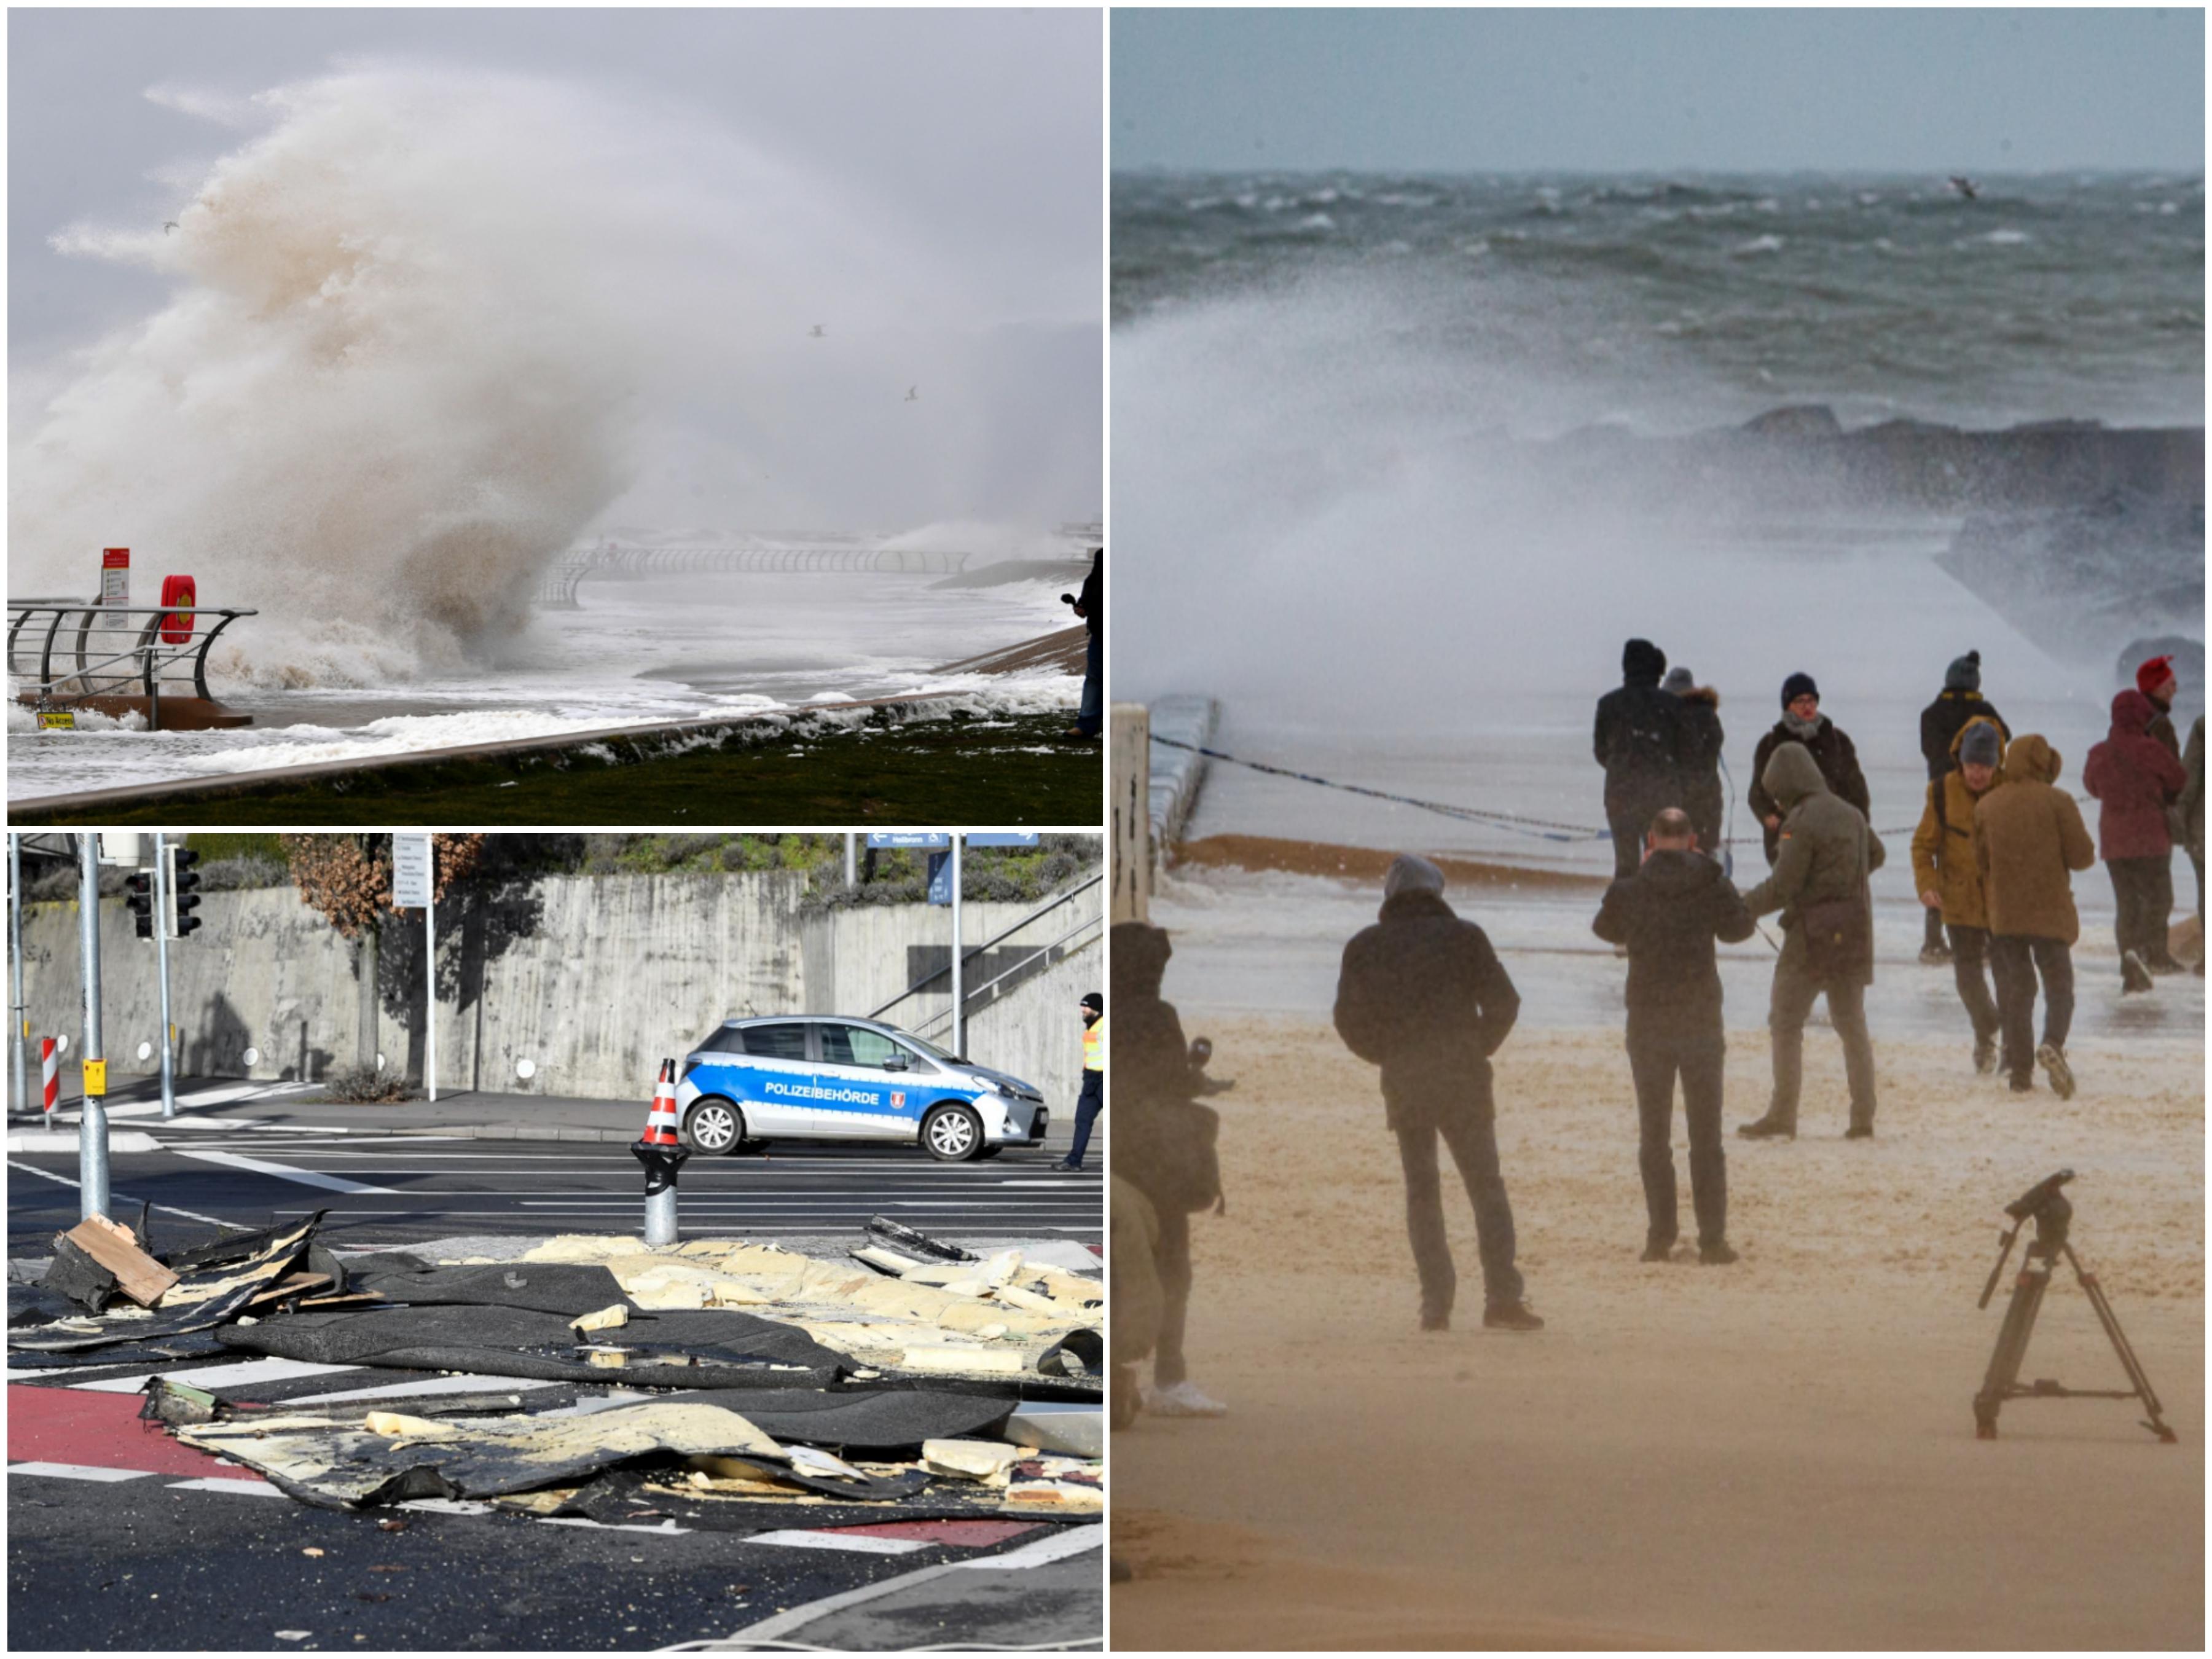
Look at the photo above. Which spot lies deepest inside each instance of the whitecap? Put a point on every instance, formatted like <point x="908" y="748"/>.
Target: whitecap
<point x="1317" y="222"/>
<point x="2005" y="238"/>
<point x="1766" y="244"/>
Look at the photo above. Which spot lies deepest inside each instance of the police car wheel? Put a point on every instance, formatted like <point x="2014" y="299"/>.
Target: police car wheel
<point x="952" y="1134"/>
<point x="713" y="1127"/>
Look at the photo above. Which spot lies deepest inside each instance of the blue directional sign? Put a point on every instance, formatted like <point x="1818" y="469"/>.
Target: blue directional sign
<point x="994" y="838"/>
<point x="916" y="841"/>
<point x="940" y="878"/>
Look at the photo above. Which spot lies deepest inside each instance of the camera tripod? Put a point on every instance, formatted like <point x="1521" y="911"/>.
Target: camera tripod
<point x="2046" y="1205"/>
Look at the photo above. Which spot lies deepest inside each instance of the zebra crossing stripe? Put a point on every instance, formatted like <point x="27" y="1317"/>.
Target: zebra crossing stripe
<point x="217" y="1376"/>
<point x="243" y="1488"/>
<point x="861" y="1543"/>
<point x="78" y="1472"/>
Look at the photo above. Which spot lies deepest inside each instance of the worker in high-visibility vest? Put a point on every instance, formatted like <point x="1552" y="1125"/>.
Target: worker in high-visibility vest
<point x="1092" y="1100"/>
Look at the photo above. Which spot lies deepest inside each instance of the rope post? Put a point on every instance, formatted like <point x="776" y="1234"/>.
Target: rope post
<point x="1130" y="750"/>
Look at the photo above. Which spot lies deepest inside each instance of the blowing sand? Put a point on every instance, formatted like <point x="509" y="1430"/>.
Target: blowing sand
<point x="1777" y="1454"/>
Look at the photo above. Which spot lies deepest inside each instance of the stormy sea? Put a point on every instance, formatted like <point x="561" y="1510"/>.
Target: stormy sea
<point x="1402" y="462"/>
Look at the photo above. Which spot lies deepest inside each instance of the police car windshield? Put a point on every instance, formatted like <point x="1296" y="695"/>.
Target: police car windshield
<point x="929" y="1049"/>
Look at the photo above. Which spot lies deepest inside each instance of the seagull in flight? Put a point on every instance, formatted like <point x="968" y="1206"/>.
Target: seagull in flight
<point x="913" y="394"/>
<point x="1964" y="187"/>
<point x="816" y="333"/>
<point x="167" y="225"/>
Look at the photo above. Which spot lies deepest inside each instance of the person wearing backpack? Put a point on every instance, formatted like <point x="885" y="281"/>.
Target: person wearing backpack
<point x="1824" y="853"/>
<point x="1164" y="1147"/>
<point x="1423" y="996"/>
<point x="1639" y="741"/>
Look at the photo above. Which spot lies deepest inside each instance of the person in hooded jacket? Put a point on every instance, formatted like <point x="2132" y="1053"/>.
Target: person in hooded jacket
<point x="2028" y="835"/>
<point x="1959" y="701"/>
<point x="1699" y="768"/>
<point x="1422" y="994"/>
<point x="1153" y="1072"/>
<point x="1824" y="856"/>
<point x="1948" y="879"/>
<point x="1639" y="741"/>
<point x="1669" y="914"/>
<point x="1803" y="723"/>
<point x="2192" y="824"/>
<point x="2136" y="783"/>
<point x="1091" y="605"/>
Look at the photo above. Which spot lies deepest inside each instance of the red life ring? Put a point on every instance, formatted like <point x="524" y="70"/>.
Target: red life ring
<point x="179" y="592"/>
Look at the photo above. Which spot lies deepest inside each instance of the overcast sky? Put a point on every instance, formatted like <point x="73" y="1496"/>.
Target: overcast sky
<point x="976" y="131"/>
<point x="1978" y="90"/>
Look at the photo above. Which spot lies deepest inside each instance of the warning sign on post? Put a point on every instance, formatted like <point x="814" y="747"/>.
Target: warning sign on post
<point x="115" y="575"/>
<point x="95" y="1077"/>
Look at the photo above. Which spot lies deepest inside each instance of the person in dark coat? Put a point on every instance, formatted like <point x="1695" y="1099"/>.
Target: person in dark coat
<point x="2192" y="825"/>
<point x="1959" y="701"/>
<point x="2156" y="680"/>
<point x="1152" y="1066"/>
<point x="1423" y="995"/>
<point x="1703" y="798"/>
<point x="1827" y="856"/>
<point x="2136" y="782"/>
<point x="1669" y="914"/>
<point x="1802" y="722"/>
<point x="1091" y="605"/>
<point x="1638" y="742"/>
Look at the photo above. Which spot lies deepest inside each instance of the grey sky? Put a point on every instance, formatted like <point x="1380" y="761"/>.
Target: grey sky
<point x="975" y="130"/>
<point x="1975" y="90"/>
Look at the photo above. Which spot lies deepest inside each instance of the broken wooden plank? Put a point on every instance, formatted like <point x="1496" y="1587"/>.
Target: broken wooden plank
<point x="137" y="1275"/>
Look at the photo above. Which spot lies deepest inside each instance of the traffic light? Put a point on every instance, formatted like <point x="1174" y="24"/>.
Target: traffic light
<point x="139" y="888"/>
<point x="184" y="892"/>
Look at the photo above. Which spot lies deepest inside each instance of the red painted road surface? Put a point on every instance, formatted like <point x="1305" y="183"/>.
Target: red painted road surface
<point x="69" y="1425"/>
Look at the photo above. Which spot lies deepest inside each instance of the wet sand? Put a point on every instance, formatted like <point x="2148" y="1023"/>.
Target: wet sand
<point x="1777" y="1454"/>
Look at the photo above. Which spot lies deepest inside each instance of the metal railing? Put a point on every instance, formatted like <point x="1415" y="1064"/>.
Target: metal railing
<point x="969" y="993"/>
<point x="67" y="651"/>
<point x="557" y="588"/>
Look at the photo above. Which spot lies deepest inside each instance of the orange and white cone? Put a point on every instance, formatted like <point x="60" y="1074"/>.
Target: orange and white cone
<point x="660" y="1121"/>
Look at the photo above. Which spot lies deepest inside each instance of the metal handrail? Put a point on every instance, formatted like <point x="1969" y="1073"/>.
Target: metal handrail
<point x="1045" y="950"/>
<point x="146" y="654"/>
<point x="928" y="980"/>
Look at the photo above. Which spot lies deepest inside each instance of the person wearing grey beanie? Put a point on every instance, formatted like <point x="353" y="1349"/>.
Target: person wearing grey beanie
<point x="1948" y="878"/>
<point x="1959" y="703"/>
<point x="1422" y="994"/>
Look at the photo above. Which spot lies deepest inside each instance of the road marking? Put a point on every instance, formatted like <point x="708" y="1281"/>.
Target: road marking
<point x="1058" y="1547"/>
<point x="115" y="1197"/>
<point x="78" y="1472"/>
<point x="218" y="1376"/>
<point x="243" y="1488"/>
<point x="832" y="1541"/>
<point x="283" y="1172"/>
<point x="665" y="1529"/>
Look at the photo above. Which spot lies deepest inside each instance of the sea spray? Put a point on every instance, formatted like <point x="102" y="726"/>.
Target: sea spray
<point x="424" y="329"/>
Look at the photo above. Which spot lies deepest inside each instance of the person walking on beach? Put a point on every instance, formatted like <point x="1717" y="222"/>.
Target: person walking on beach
<point x="2136" y="782"/>
<point x="1422" y="994"/>
<point x="1638" y="743"/>
<point x="1825" y="854"/>
<point x="1162" y="1145"/>
<point x="1700" y="768"/>
<point x="1803" y="723"/>
<point x="1959" y="701"/>
<point x="1092" y="1100"/>
<point x="1669" y="914"/>
<point x="1091" y="605"/>
<point x="1948" y="879"/>
<point x="2028" y="837"/>
<point x="2192" y="824"/>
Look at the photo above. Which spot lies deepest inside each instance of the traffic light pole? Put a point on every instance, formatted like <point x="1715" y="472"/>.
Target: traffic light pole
<point x="161" y="951"/>
<point x="959" y="1000"/>
<point x="92" y="1125"/>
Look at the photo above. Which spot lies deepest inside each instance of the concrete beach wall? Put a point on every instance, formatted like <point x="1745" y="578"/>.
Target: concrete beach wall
<point x="595" y="980"/>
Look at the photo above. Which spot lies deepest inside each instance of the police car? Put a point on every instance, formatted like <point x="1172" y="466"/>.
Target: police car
<point x="819" y="1076"/>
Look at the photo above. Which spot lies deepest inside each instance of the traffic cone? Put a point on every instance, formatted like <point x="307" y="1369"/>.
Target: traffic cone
<point x="660" y="1121"/>
<point x="50" y="1057"/>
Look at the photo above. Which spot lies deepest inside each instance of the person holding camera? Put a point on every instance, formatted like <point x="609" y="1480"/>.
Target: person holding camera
<point x="1423" y="995"/>
<point x="1091" y="605"/>
<point x="1669" y="914"/>
<point x="1824" y="854"/>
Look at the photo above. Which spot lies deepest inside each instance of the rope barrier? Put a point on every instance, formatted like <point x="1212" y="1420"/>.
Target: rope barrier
<point x="1537" y="828"/>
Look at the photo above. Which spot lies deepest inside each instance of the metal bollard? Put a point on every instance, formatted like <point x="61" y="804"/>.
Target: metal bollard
<point x="662" y="1153"/>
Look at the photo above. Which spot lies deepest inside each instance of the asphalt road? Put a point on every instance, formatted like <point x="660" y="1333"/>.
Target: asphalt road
<point x="121" y="1539"/>
<point x="403" y="1188"/>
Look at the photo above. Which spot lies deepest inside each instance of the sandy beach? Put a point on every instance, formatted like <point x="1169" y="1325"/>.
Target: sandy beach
<point x="1775" y="1454"/>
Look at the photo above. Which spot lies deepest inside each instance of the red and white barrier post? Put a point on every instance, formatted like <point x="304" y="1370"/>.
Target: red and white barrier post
<point x="50" y="1058"/>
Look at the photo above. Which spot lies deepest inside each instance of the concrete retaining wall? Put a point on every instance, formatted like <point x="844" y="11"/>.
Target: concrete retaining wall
<point x="592" y="981"/>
